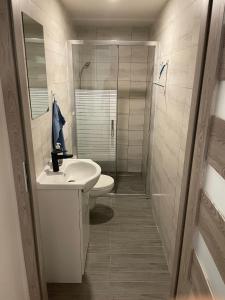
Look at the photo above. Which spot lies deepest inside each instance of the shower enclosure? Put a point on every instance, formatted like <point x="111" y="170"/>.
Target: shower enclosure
<point x="112" y="100"/>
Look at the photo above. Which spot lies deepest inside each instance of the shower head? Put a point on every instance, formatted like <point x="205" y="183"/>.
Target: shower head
<point x="85" y="66"/>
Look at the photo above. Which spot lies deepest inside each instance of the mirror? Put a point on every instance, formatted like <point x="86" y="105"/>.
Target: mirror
<point x="36" y="66"/>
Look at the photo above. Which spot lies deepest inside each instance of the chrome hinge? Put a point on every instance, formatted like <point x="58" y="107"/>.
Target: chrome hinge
<point x="25" y="176"/>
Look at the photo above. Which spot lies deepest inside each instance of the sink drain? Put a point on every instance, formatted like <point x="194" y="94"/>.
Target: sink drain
<point x="71" y="180"/>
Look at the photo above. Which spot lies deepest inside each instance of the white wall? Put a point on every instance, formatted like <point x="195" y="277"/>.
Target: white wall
<point x="13" y="281"/>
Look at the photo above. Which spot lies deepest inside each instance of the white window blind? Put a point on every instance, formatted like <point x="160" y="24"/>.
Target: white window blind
<point x="96" y="124"/>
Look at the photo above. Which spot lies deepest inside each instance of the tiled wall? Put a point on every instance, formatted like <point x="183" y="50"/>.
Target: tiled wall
<point x="130" y="64"/>
<point x="113" y="33"/>
<point x="177" y="31"/>
<point x="57" y="30"/>
<point x="132" y="83"/>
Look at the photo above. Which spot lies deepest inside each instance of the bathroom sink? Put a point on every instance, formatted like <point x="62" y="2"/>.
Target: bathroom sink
<point x="73" y="174"/>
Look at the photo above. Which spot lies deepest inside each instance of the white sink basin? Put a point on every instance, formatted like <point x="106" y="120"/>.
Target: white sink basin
<point x="74" y="174"/>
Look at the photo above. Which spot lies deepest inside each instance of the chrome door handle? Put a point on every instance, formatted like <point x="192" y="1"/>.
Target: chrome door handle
<point x="112" y="128"/>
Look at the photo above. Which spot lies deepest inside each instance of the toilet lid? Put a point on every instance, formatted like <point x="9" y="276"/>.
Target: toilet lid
<point x="104" y="181"/>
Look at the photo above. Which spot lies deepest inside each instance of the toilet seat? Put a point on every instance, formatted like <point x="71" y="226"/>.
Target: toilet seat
<point x="103" y="186"/>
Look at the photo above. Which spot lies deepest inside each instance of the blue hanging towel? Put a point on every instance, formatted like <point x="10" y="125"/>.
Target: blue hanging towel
<point x="58" y="122"/>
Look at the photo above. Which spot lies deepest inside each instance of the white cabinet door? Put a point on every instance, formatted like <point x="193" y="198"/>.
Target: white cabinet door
<point x="60" y="220"/>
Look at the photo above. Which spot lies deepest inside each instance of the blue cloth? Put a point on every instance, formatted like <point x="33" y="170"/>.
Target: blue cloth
<point x="58" y="122"/>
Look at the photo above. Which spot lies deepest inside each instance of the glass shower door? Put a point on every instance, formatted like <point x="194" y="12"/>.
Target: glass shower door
<point x="96" y="126"/>
<point x="96" y="68"/>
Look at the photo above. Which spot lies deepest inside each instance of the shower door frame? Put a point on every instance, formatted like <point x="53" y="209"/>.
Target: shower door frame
<point x="113" y="43"/>
<point x="117" y="43"/>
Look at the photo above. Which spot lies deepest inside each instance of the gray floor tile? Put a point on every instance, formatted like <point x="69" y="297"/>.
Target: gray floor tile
<point x="130" y="288"/>
<point x="131" y="236"/>
<point x="94" y="275"/>
<point x="125" y="258"/>
<point x="140" y="297"/>
<point x="130" y="184"/>
<point x="139" y="276"/>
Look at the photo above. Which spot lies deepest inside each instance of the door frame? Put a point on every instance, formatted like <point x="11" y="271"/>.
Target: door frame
<point x="198" y="168"/>
<point x="191" y="139"/>
<point x="21" y="69"/>
<point x="21" y="103"/>
<point x="17" y="140"/>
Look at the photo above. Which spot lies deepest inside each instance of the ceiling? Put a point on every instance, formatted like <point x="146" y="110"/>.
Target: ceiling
<point x="114" y="12"/>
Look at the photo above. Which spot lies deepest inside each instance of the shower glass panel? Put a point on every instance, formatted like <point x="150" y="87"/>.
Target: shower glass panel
<point x="95" y="103"/>
<point x="113" y="87"/>
<point x="133" y="118"/>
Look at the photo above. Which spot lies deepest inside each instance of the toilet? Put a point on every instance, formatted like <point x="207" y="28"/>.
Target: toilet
<point x="104" y="185"/>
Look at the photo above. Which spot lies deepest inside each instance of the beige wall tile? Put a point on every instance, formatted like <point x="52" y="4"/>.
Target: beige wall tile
<point x="177" y="32"/>
<point x="138" y="89"/>
<point x="124" y="71"/>
<point x="135" y="137"/>
<point x="122" y="151"/>
<point x="137" y="106"/>
<point x="123" y="106"/>
<point x="122" y="33"/>
<point x="106" y="54"/>
<point x="85" y="53"/>
<point x="106" y="84"/>
<point x="134" y="165"/>
<point x="123" y="122"/>
<point x="86" y="33"/>
<point x="124" y="54"/>
<point x="113" y="33"/>
<point x="106" y="71"/>
<point x="88" y="84"/>
<point x="122" y="165"/>
<point x="124" y="89"/>
<point x="138" y="72"/>
<point x="122" y="137"/>
<point x="136" y="122"/>
<point x="140" y="34"/>
<point x="139" y="54"/>
<point x="104" y="33"/>
<point x="134" y="152"/>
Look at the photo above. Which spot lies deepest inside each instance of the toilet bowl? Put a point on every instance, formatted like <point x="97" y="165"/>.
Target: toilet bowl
<point x="104" y="185"/>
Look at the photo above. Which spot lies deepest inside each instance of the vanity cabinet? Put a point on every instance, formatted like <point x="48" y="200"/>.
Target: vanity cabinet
<point x="64" y="224"/>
